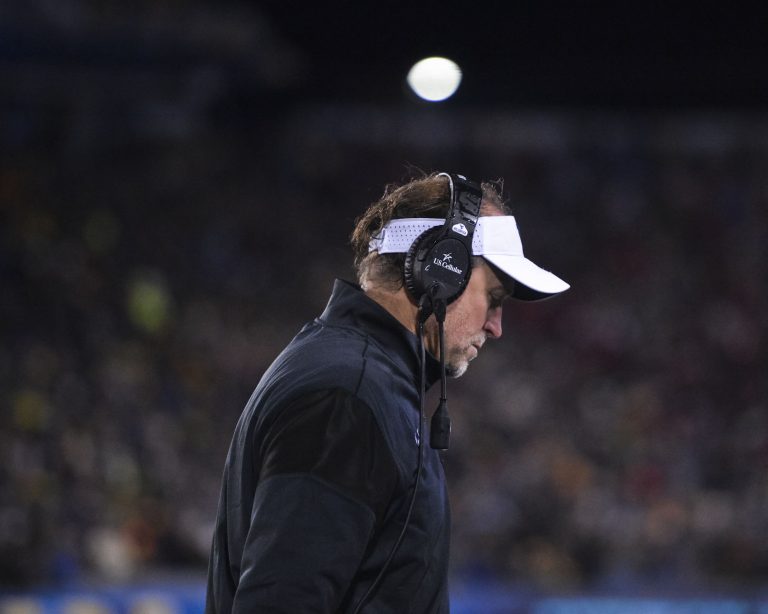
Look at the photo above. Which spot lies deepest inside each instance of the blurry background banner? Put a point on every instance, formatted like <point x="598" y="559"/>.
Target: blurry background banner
<point x="161" y="168"/>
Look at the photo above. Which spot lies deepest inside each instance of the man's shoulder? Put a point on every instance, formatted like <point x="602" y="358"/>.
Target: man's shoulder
<point x="318" y="358"/>
<point x="319" y="349"/>
<point x="348" y="363"/>
<point x="326" y="357"/>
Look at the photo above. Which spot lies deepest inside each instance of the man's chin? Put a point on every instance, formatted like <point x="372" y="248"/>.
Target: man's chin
<point x="458" y="363"/>
<point x="456" y="370"/>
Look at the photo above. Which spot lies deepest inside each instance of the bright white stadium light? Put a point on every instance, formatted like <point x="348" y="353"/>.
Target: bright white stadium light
<point x="435" y="78"/>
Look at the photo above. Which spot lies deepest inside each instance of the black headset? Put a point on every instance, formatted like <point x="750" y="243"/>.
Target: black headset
<point x="436" y="271"/>
<point x="439" y="263"/>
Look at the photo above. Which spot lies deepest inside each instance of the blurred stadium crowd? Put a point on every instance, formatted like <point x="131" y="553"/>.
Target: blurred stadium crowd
<point x="162" y="238"/>
<point x="617" y="437"/>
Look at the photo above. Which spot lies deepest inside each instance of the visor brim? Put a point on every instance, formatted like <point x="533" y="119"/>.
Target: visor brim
<point x="532" y="282"/>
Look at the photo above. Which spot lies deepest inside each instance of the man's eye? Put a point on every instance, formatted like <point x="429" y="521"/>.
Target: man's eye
<point x="495" y="301"/>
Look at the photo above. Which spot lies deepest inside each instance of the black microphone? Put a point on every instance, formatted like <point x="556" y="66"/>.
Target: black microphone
<point x="440" y="425"/>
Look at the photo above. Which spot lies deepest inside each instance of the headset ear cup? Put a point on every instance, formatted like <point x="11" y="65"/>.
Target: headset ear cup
<point x="412" y="278"/>
<point x="439" y="261"/>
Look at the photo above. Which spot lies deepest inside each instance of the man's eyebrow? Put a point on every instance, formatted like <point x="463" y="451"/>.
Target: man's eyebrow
<point x="500" y="292"/>
<point x="503" y="281"/>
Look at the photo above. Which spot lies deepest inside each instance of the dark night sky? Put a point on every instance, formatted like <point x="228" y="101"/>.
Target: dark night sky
<point x="649" y="55"/>
<point x="544" y="54"/>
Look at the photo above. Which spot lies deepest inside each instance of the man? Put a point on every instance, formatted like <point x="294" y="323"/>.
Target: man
<point x="330" y="501"/>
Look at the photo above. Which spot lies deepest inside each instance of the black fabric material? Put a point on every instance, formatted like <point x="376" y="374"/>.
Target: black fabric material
<point x="319" y="475"/>
<point x="334" y="437"/>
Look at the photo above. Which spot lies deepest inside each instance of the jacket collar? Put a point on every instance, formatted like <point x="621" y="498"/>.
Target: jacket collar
<point x="350" y="307"/>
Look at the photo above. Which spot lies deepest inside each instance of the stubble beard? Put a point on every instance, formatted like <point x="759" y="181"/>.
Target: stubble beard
<point x="457" y="362"/>
<point x="456" y="370"/>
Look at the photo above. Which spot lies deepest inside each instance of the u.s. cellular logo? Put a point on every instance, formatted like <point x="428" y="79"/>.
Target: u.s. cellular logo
<point x="445" y="262"/>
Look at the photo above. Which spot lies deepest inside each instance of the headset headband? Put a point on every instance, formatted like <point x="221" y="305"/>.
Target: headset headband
<point x="464" y="209"/>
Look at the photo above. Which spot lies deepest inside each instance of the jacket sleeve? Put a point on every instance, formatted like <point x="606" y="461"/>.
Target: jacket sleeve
<point x="326" y="477"/>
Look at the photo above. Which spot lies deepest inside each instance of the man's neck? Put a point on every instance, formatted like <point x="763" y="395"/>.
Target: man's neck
<point x="397" y="304"/>
<point x="401" y="308"/>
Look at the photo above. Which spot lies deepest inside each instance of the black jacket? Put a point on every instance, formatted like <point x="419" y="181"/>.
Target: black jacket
<point x="319" y="474"/>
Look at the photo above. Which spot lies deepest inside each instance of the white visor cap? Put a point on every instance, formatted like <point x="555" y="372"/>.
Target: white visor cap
<point x="496" y="239"/>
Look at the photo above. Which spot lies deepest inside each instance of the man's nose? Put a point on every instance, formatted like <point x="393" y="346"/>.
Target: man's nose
<point x="493" y="323"/>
